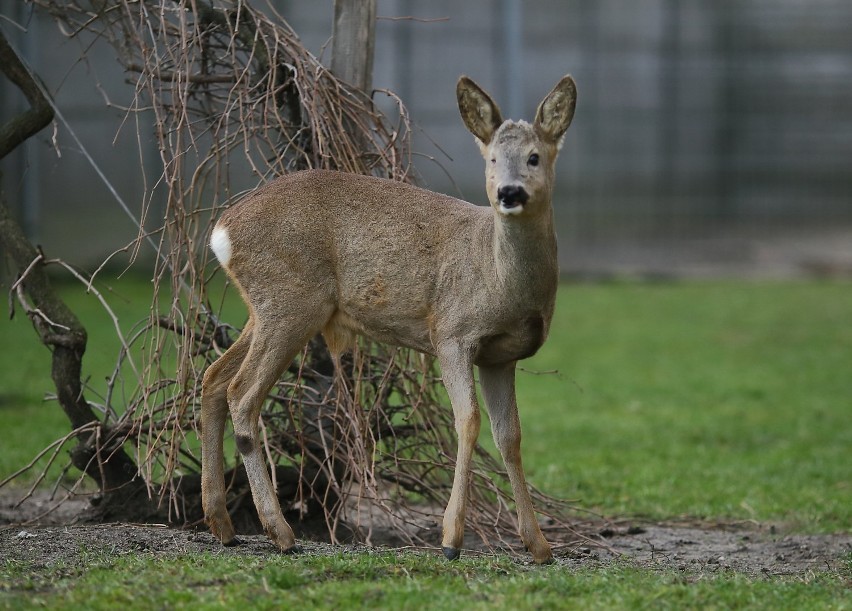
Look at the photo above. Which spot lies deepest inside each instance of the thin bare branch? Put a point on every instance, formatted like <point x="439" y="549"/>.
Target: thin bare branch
<point x="236" y="101"/>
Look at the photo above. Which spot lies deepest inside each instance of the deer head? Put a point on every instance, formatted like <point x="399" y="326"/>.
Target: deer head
<point x="519" y="158"/>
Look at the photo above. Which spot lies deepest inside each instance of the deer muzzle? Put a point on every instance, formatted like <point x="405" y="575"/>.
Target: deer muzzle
<point x="512" y="198"/>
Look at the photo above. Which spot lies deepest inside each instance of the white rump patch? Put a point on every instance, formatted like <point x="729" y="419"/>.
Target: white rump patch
<point x="220" y="243"/>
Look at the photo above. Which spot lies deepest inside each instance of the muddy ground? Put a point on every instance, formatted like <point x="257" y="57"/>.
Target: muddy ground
<point x="692" y="547"/>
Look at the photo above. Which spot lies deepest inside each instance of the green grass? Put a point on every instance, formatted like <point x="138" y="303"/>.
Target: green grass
<point x="388" y="580"/>
<point x="726" y="400"/>
<point x="723" y="400"/>
<point x="30" y="422"/>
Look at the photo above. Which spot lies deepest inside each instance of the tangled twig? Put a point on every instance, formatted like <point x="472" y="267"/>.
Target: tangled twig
<point x="237" y="100"/>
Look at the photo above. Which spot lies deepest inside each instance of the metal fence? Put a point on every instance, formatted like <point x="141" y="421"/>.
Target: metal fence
<point x="695" y="119"/>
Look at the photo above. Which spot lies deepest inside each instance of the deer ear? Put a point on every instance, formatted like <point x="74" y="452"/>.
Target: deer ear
<point x="556" y="110"/>
<point x="478" y="111"/>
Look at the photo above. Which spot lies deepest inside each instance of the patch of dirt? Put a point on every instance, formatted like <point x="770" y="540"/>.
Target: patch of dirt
<point x="747" y="548"/>
<point x="694" y="548"/>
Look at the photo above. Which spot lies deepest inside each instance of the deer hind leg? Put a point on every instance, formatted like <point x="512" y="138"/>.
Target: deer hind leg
<point x="272" y="348"/>
<point x="214" y="413"/>
<point x="498" y="389"/>
<point x="457" y="372"/>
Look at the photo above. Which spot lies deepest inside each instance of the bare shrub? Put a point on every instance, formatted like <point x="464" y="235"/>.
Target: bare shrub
<point x="236" y="100"/>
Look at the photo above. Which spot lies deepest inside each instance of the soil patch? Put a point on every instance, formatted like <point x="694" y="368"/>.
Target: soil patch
<point x="696" y="548"/>
<point x="749" y="548"/>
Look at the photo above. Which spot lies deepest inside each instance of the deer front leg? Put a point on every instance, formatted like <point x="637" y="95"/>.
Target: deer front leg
<point x="457" y="372"/>
<point x="498" y="389"/>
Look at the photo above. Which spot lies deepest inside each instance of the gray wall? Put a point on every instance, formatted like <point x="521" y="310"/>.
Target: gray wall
<point x="61" y="201"/>
<point x="694" y="117"/>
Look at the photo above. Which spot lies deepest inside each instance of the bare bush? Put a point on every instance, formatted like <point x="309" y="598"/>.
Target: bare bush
<point x="237" y="100"/>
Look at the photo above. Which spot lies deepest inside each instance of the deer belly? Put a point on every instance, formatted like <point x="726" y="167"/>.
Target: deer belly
<point x="387" y="306"/>
<point x="405" y="331"/>
<point x="521" y="340"/>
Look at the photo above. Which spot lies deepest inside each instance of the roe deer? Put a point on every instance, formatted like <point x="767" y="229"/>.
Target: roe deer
<point x="345" y="254"/>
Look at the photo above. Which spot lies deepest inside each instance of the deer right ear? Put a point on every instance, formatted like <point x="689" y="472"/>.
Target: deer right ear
<point x="478" y="111"/>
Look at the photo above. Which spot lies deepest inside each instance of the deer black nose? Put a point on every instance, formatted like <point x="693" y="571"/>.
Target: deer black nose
<point x="512" y="195"/>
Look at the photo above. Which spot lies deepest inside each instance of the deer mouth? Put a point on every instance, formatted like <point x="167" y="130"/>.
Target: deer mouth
<point x="510" y="208"/>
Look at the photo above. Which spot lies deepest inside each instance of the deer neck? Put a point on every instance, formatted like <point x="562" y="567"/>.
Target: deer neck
<point x="524" y="251"/>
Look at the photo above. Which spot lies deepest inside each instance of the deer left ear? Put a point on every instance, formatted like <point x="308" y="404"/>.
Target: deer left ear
<point x="556" y="110"/>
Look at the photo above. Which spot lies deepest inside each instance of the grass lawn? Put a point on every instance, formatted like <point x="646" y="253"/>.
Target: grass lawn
<point x="391" y="580"/>
<point x="29" y="420"/>
<point x="726" y="400"/>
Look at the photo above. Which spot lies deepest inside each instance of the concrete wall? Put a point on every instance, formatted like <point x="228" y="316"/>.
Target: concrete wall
<point x="693" y="117"/>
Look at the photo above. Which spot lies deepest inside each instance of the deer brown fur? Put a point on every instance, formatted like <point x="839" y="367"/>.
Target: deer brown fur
<point x="345" y="254"/>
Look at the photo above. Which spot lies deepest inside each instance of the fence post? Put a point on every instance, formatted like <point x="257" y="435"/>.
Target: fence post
<point x="353" y="42"/>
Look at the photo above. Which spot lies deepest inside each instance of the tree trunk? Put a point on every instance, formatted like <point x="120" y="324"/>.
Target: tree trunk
<point x="58" y="328"/>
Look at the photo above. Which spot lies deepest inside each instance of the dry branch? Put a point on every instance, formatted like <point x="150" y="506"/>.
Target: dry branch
<point x="57" y="326"/>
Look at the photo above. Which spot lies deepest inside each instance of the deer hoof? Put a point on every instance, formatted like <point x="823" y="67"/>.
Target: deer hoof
<point x="543" y="560"/>
<point x="233" y="542"/>
<point x="452" y="553"/>
<point x="292" y="550"/>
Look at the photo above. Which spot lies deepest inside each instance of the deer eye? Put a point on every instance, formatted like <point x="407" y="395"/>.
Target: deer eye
<point x="533" y="160"/>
